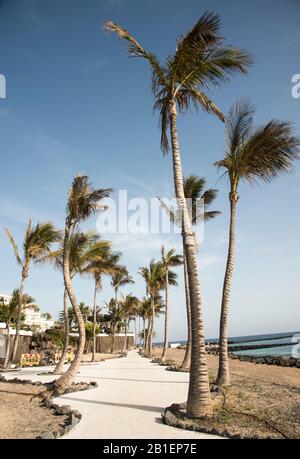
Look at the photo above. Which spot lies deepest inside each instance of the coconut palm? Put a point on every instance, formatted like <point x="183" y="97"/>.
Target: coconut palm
<point x="252" y="155"/>
<point x="201" y="60"/>
<point x="11" y="315"/>
<point x="37" y="243"/>
<point x="116" y="318"/>
<point x="130" y="305"/>
<point x="200" y="199"/>
<point x="83" y="201"/>
<point x="168" y="259"/>
<point x="120" y="279"/>
<point x="79" y="243"/>
<point x="101" y="261"/>
<point x="154" y="277"/>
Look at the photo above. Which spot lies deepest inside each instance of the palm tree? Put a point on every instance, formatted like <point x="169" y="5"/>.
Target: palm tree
<point x="196" y="192"/>
<point x="79" y="243"/>
<point x="168" y="259"/>
<point x="116" y="319"/>
<point x="252" y="154"/>
<point x="201" y="60"/>
<point x="81" y="204"/>
<point x="11" y="315"/>
<point x="130" y="305"/>
<point x="121" y="278"/>
<point x="101" y="261"/>
<point x="154" y="277"/>
<point x="36" y="244"/>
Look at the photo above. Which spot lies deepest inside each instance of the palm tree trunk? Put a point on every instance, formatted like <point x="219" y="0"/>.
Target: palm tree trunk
<point x="223" y="372"/>
<point x="19" y="315"/>
<point x="199" y="400"/>
<point x="125" y="337"/>
<point x="144" y="334"/>
<point x="58" y="370"/>
<point x="113" y="340"/>
<point x="94" y="323"/>
<point x="7" y="349"/>
<point x="152" y="327"/>
<point x="166" y="337"/>
<point x="148" y="336"/>
<point x="68" y="377"/>
<point x="186" y="363"/>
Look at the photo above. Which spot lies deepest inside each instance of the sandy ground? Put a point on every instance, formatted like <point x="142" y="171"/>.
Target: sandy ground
<point x="22" y="418"/>
<point x="268" y="392"/>
<point x="266" y="373"/>
<point x="99" y="357"/>
<point x="128" y="402"/>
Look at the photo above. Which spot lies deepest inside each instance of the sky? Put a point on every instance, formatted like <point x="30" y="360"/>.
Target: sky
<point x="76" y="103"/>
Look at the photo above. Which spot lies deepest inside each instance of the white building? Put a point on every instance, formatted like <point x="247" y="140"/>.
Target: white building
<point x="4" y="298"/>
<point x="32" y="316"/>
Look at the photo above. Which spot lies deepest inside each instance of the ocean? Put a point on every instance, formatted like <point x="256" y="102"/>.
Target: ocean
<point x="291" y="339"/>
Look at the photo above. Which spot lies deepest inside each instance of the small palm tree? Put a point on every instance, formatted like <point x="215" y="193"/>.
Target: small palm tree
<point x="194" y="190"/>
<point x="37" y="243"/>
<point x="11" y="315"/>
<point x="83" y="201"/>
<point x="79" y="244"/>
<point x="116" y="318"/>
<point x="100" y="261"/>
<point x="120" y="279"/>
<point x="201" y="60"/>
<point x="252" y="155"/>
<point x="154" y="277"/>
<point x="130" y="305"/>
<point x="168" y="259"/>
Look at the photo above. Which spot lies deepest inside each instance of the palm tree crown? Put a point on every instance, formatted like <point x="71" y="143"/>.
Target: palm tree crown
<point x="201" y="60"/>
<point x="254" y="154"/>
<point x="83" y="200"/>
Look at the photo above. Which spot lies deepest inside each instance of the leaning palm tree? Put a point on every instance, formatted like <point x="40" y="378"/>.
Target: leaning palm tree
<point x="200" y="199"/>
<point x="252" y="155"/>
<point x="154" y="277"/>
<point x="100" y="261"/>
<point x="36" y="244"/>
<point x="120" y="279"/>
<point x="201" y="60"/>
<point x="129" y="305"/>
<point x="83" y="201"/>
<point x="79" y="243"/>
<point x="168" y="259"/>
<point x="11" y="315"/>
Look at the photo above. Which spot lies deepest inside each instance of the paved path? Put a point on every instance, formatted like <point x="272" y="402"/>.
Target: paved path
<point x="128" y="402"/>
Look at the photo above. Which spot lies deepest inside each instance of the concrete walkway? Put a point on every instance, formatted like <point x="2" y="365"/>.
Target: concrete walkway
<point x="128" y="402"/>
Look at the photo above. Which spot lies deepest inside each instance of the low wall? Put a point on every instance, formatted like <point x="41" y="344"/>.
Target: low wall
<point x="23" y="346"/>
<point x="104" y="342"/>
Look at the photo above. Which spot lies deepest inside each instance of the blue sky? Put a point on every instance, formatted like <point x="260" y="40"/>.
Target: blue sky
<point x="76" y="103"/>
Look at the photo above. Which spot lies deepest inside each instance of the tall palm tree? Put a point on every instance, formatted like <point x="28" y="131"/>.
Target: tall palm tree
<point x="83" y="201"/>
<point x="101" y="261"/>
<point x="36" y="244"/>
<point x="196" y="192"/>
<point x="11" y="315"/>
<point x="252" y="155"/>
<point x="168" y="259"/>
<point x="201" y="60"/>
<point x="130" y="305"/>
<point x="79" y="243"/>
<point x="120" y="279"/>
<point x="154" y="277"/>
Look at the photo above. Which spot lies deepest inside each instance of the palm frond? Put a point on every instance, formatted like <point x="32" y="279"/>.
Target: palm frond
<point x="14" y="246"/>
